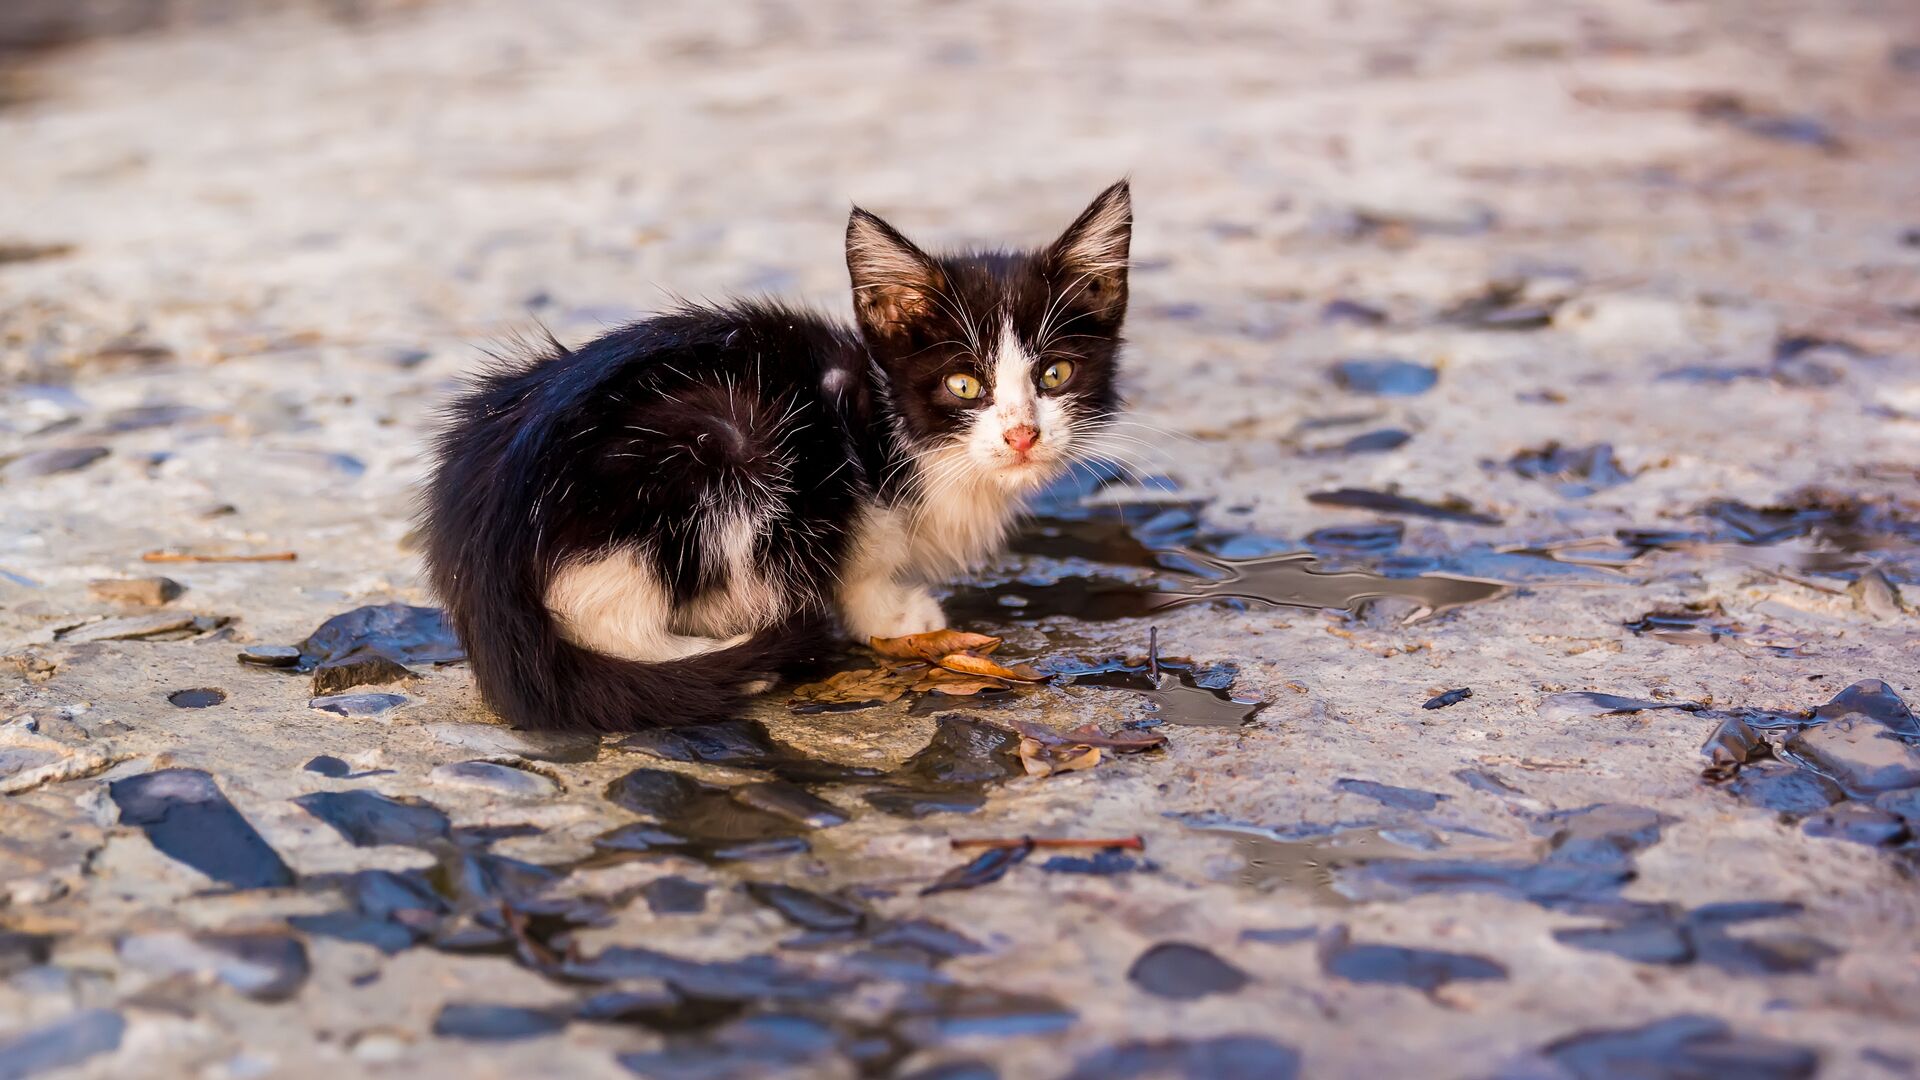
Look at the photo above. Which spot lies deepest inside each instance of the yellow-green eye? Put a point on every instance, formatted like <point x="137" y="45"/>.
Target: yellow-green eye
<point x="1056" y="375"/>
<point x="963" y="386"/>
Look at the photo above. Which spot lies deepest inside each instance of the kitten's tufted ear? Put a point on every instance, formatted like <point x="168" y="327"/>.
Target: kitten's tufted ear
<point x="894" y="282"/>
<point x="1095" y="247"/>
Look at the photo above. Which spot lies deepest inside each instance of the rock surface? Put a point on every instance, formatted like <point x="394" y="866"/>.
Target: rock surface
<point x="1650" y="267"/>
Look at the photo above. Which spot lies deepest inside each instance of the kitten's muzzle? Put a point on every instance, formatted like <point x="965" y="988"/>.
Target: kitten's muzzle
<point x="1021" y="439"/>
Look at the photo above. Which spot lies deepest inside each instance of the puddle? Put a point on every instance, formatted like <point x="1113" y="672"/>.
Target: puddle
<point x="675" y="895"/>
<point x="369" y="819"/>
<point x="1685" y="626"/>
<point x="1293" y="580"/>
<point x="1226" y="1057"/>
<point x="1183" y="972"/>
<point x="1298" y="581"/>
<point x="1452" y="508"/>
<point x="1844" y="522"/>
<point x="1585" y="855"/>
<point x="1575" y="472"/>
<point x="806" y="909"/>
<point x="1425" y="970"/>
<point x="952" y="773"/>
<point x="983" y="869"/>
<point x="768" y="1044"/>
<point x="746" y="980"/>
<point x="1585" y="704"/>
<point x="1681" y="1046"/>
<point x="495" y="1023"/>
<point x="186" y="818"/>
<point x="198" y="698"/>
<point x="1172" y="694"/>
<point x="1383" y="376"/>
<point x="1308" y="865"/>
<point x="742" y="744"/>
<point x="59" y="1044"/>
<point x="1676" y="938"/>
<point x="699" y="819"/>
<point x="1370" y="538"/>
<point x="1399" y="798"/>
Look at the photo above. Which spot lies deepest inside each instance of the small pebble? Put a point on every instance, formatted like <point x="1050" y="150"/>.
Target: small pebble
<point x="147" y="591"/>
<point x="270" y="655"/>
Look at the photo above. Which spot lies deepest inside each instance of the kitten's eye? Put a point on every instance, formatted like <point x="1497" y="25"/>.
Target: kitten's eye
<point x="1056" y="374"/>
<point x="965" y="387"/>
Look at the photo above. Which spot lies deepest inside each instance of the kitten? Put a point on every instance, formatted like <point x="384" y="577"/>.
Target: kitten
<point x="635" y="532"/>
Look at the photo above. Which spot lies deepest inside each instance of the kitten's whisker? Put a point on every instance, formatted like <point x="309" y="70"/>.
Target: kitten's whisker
<point x="1045" y="333"/>
<point x="1054" y="305"/>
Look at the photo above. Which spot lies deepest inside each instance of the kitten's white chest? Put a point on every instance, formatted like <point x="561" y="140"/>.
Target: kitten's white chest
<point x="931" y="542"/>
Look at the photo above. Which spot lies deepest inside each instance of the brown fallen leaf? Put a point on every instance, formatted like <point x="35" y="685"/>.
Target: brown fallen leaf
<point x="969" y="664"/>
<point x="848" y="687"/>
<point x="954" y="684"/>
<point x="933" y="645"/>
<point x="1124" y="742"/>
<point x="1041" y="759"/>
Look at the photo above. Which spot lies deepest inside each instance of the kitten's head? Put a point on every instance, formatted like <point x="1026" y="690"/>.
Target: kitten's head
<point x="1000" y="365"/>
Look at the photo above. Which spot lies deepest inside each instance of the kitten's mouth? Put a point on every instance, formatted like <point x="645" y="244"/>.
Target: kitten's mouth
<point x="1029" y="469"/>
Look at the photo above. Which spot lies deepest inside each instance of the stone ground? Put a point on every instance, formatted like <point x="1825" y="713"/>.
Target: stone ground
<point x="244" y="260"/>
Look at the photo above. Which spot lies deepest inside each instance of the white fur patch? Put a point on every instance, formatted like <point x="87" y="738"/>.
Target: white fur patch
<point x="617" y="605"/>
<point x="836" y="381"/>
<point x="1013" y="395"/>
<point x="883" y="590"/>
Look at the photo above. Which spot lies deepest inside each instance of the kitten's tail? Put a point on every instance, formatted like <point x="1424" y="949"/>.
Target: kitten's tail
<point x="535" y="678"/>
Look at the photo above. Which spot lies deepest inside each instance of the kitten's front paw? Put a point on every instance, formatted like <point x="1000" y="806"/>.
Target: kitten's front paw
<point x="895" y="612"/>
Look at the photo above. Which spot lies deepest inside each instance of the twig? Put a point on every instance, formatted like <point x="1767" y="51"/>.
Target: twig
<point x="1131" y="843"/>
<point x="187" y="556"/>
<point x="1153" y="653"/>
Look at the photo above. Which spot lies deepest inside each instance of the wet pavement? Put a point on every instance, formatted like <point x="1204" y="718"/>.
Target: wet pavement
<point x="1500" y="634"/>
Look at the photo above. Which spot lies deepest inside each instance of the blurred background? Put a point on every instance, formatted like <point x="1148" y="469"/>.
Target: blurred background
<point x="246" y="248"/>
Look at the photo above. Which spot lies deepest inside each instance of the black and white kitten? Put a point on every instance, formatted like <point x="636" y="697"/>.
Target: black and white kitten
<point x="636" y="532"/>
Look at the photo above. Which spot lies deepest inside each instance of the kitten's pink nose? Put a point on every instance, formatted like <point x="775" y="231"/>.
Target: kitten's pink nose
<point x="1022" y="438"/>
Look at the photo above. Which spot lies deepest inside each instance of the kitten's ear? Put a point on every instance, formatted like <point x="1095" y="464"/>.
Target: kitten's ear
<point x="894" y="282"/>
<point x="1095" y="247"/>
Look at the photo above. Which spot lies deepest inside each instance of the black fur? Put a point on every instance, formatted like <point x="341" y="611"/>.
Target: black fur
<point x="631" y="440"/>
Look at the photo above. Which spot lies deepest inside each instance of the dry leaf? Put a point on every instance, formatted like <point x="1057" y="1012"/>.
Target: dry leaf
<point x="933" y="645"/>
<point x="1042" y="759"/>
<point x="1123" y="742"/>
<point x="980" y="665"/>
<point x="954" y="684"/>
<point x="847" y="687"/>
